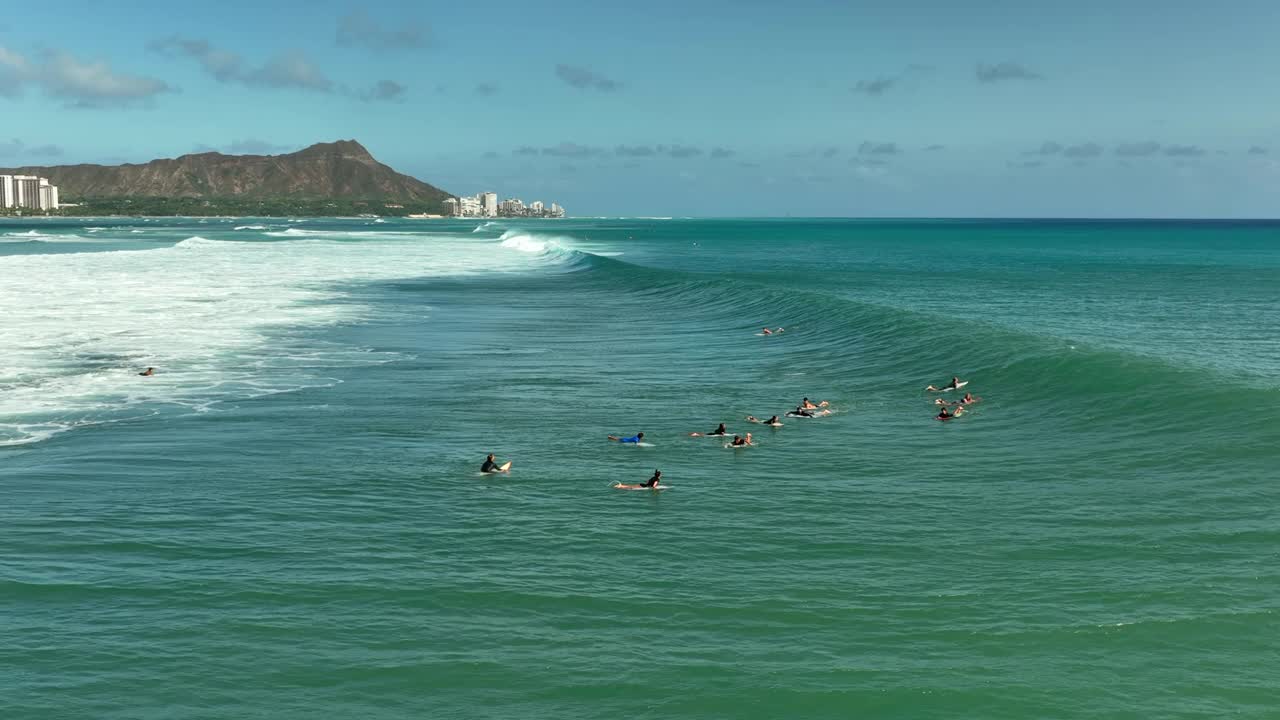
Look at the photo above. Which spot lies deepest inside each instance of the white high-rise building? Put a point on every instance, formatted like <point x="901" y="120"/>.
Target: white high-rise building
<point x="556" y="211"/>
<point x="27" y="190"/>
<point x="535" y="207"/>
<point x="469" y="206"/>
<point x="489" y="204"/>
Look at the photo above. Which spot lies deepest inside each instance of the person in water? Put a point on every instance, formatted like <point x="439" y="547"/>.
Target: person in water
<point x="766" y="331"/>
<point x="634" y="440"/>
<point x="968" y="398"/>
<point x="945" y="414"/>
<point x="718" y="431"/>
<point x="742" y="442"/>
<point x="651" y="483"/>
<point x="771" y="421"/>
<point x="807" y="405"/>
<point x="150" y="371"/>
<point x="955" y="383"/>
<point x="801" y="412"/>
<point x="490" y="465"/>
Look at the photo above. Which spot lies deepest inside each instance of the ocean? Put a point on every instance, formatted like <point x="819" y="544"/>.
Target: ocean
<point x="288" y="520"/>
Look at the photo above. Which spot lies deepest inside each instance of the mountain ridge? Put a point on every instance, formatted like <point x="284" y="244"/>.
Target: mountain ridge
<point x="340" y="170"/>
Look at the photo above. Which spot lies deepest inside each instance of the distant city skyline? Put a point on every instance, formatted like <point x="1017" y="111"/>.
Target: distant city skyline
<point x="927" y="108"/>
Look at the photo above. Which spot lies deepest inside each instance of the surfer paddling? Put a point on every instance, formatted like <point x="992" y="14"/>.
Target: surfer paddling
<point x="774" y="421"/>
<point x="633" y="440"/>
<point x="149" y="372"/>
<point x="810" y="406"/>
<point x="718" y="431"/>
<point x="968" y="399"/>
<point x="491" y="465"/>
<point x="651" y="484"/>
<point x="945" y="414"/>
<point x="741" y="441"/>
<point x="955" y="384"/>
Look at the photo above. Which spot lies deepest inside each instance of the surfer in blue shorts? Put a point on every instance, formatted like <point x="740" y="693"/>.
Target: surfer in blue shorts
<point x="634" y="440"/>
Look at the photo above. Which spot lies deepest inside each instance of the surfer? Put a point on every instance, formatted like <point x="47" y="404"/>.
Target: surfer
<point x="718" y="431"/>
<point x="801" y="412"/>
<point x="766" y="331"/>
<point x="968" y="399"/>
<point x="491" y="466"/>
<point x="634" y="440"/>
<point x="955" y="384"/>
<point x="774" y="421"/>
<point x="810" y="406"/>
<point x="742" y="441"/>
<point x="150" y="371"/>
<point x="945" y="414"/>
<point x="651" y="483"/>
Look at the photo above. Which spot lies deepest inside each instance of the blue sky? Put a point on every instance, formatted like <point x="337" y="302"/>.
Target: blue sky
<point x="718" y="107"/>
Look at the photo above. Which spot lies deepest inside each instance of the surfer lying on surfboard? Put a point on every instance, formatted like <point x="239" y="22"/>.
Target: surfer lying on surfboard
<point x="651" y="483"/>
<point x="956" y="384"/>
<point x="945" y="414"/>
<point x="492" y="466"/>
<point x="718" y="431"/>
<point x="801" y="412"/>
<point x="634" y="439"/>
<point x="810" y="406"/>
<point x="968" y="399"/>
<point x="741" y="441"/>
<point x="774" y="421"/>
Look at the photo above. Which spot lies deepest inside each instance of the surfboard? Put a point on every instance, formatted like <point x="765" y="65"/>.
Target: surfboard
<point x="731" y="446"/>
<point x="505" y="466"/>
<point x="640" y="487"/>
<point x="949" y="389"/>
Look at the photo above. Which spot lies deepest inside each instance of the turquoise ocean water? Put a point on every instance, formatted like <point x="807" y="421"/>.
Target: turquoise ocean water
<point x="288" y="521"/>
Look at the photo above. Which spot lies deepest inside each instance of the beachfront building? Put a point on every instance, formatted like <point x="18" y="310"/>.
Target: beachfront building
<point x="27" y="192"/>
<point x="486" y="204"/>
<point x="469" y="206"/>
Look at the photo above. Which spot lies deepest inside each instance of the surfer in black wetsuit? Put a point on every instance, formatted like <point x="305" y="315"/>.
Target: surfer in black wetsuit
<point x="148" y="373"/>
<point x="742" y="441"/>
<point x="490" y="465"/>
<point x="955" y="384"/>
<point x="652" y="483"/>
<point x="800" y="411"/>
<point x="718" y="431"/>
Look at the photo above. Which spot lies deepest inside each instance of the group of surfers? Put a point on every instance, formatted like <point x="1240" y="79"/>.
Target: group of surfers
<point x="945" y="410"/>
<point x="806" y="409"/>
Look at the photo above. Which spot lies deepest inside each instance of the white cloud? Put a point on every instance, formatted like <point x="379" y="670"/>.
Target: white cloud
<point x="90" y="84"/>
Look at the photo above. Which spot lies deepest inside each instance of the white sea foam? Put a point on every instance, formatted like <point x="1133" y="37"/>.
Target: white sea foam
<point x="220" y="321"/>
<point x="250" y="227"/>
<point x="36" y="236"/>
